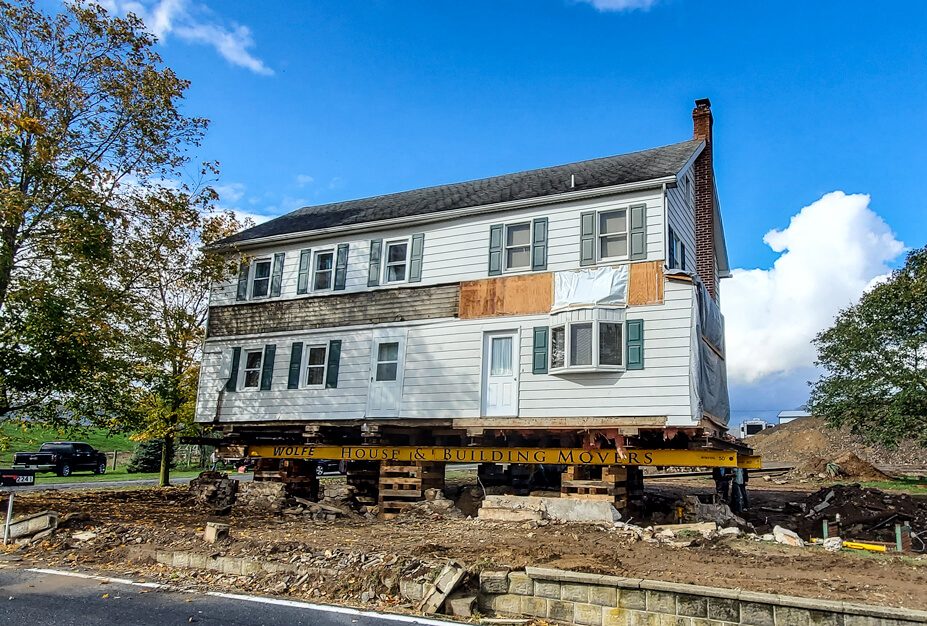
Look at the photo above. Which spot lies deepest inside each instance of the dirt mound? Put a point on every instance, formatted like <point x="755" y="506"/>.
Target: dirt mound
<point x="847" y="466"/>
<point x="808" y="438"/>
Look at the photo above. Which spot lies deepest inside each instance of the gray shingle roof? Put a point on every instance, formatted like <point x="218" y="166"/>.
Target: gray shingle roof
<point x="548" y="181"/>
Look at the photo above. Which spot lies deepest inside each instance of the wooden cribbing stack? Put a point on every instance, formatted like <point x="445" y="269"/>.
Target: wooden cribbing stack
<point x="608" y="483"/>
<point x="402" y="483"/>
<point x="364" y="477"/>
<point x="298" y="474"/>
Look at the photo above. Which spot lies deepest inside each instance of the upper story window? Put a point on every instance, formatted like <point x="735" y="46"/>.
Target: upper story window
<point x="397" y="253"/>
<point x="676" y="251"/>
<point x="260" y="285"/>
<point x="396" y="261"/>
<point x="613" y="235"/>
<point x="518" y="246"/>
<point x="315" y="365"/>
<point x="618" y="234"/>
<point x="252" y="370"/>
<point x="323" y="269"/>
<point x="261" y="278"/>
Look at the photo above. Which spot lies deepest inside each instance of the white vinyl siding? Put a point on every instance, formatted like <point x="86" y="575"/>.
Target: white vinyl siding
<point x="442" y="375"/>
<point x="457" y="250"/>
<point x="681" y="214"/>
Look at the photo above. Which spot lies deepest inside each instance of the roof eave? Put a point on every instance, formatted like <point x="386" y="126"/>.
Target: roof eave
<point x="413" y="220"/>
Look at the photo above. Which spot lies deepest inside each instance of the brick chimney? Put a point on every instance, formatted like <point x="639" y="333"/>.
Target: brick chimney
<point x="704" y="197"/>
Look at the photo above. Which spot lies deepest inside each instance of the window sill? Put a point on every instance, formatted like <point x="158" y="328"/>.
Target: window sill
<point x="586" y="369"/>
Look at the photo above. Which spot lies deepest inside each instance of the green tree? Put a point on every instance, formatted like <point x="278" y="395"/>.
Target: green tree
<point x="875" y="357"/>
<point x="88" y="116"/>
<point x="172" y="281"/>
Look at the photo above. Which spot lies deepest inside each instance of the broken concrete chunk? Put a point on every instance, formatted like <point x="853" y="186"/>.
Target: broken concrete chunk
<point x="30" y="525"/>
<point x="447" y="581"/>
<point x="460" y="606"/>
<point x="833" y="544"/>
<point x="509" y="515"/>
<point x="494" y="581"/>
<point x="215" y="532"/>
<point x="733" y="531"/>
<point x="787" y="537"/>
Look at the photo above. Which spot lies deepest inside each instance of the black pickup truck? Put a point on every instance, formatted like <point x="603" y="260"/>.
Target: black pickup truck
<point x="62" y="457"/>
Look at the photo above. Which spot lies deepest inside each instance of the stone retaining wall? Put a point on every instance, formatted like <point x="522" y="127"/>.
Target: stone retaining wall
<point x="594" y="600"/>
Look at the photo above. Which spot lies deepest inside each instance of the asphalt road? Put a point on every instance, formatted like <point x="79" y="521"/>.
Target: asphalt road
<point x="115" y="484"/>
<point x="43" y="598"/>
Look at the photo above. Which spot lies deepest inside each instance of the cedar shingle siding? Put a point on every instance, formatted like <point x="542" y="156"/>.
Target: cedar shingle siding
<point x="367" y="307"/>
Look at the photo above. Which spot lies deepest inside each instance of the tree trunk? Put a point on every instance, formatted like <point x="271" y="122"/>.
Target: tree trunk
<point x="167" y="452"/>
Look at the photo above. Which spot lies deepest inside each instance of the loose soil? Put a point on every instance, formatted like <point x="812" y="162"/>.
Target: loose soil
<point x="808" y="439"/>
<point x="166" y="518"/>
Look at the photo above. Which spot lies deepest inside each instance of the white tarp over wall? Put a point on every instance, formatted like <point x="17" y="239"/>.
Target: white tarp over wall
<point x="605" y="285"/>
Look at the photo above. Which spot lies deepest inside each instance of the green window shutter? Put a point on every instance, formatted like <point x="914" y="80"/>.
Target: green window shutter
<point x="638" y="232"/>
<point x="587" y="238"/>
<point x="373" y="272"/>
<point x="334" y="360"/>
<point x="267" y="368"/>
<point x="242" y="281"/>
<point x="232" y="382"/>
<point x="415" y="259"/>
<point x="682" y="256"/>
<point x="540" y="350"/>
<point x="302" y="283"/>
<point x="671" y="249"/>
<point x="276" y="278"/>
<point x="341" y="267"/>
<point x="495" y="249"/>
<point x="635" y="344"/>
<point x="296" y="360"/>
<point x="539" y="244"/>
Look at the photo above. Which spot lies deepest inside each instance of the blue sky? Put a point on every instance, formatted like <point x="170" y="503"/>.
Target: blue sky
<point x="319" y="101"/>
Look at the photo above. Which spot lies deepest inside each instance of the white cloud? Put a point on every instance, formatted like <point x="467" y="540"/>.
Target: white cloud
<point x="254" y="217"/>
<point x="620" y="5"/>
<point x="193" y="23"/>
<point x="303" y="179"/>
<point x="832" y="251"/>
<point x="232" y="192"/>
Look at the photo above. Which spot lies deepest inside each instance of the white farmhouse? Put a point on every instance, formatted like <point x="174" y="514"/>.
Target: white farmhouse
<point x="574" y="305"/>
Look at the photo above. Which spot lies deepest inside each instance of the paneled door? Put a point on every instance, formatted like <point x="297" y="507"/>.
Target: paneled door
<point x="500" y="374"/>
<point x="386" y="367"/>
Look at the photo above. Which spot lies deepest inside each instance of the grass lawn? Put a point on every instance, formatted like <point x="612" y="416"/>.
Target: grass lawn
<point x="119" y="474"/>
<point x="18" y="439"/>
<point x="912" y="485"/>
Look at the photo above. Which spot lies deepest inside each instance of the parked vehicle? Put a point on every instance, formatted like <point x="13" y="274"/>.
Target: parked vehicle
<point x="63" y="458"/>
<point x="329" y="466"/>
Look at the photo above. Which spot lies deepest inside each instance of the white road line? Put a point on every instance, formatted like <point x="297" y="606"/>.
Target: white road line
<point x="296" y="604"/>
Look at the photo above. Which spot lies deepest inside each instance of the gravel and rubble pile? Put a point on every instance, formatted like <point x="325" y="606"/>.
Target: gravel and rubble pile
<point x="808" y="438"/>
<point x="865" y="513"/>
<point x="847" y="466"/>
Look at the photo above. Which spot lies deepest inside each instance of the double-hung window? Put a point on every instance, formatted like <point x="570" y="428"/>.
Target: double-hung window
<point x="315" y="365"/>
<point x="613" y="235"/>
<point x="676" y="251"/>
<point x="518" y="246"/>
<point x="260" y="285"/>
<point x="252" y="371"/>
<point x="322" y="270"/>
<point x="589" y="342"/>
<point x="397" y="255"/>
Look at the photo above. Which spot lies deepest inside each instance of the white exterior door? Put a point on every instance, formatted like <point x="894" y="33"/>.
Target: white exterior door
<point x="386" y="368"/>
<point x="500" y="374"/>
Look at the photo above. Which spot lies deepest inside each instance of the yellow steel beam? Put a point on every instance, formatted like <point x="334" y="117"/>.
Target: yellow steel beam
<point x="552" y="456"/>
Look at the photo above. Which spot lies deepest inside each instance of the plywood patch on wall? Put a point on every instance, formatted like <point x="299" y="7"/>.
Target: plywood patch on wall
<point x="645" y="283"/>
<point x="512" y="295"/>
